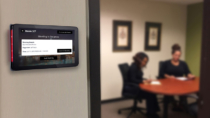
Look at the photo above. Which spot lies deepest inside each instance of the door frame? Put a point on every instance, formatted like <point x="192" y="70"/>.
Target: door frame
<point x="94" y="58"/>
<point x="204" y="96"/>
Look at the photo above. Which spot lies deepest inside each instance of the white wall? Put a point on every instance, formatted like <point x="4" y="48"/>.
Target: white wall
<point x="48" y="93"/>
<point x="173" y="19"/>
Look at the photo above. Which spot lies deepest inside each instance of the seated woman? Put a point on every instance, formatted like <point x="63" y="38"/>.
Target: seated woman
<point x="135" y="75"/>
<point x="173" y="68"/>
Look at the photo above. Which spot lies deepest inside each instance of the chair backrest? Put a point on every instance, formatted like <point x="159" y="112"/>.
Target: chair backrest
<point x="193" y="109"/>
<point x="159" y="71"/>
<point x="127" y="91"/>
<point x="124" y="68"/>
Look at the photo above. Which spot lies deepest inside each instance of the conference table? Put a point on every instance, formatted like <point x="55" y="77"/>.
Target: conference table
<point x="172" y="87"/>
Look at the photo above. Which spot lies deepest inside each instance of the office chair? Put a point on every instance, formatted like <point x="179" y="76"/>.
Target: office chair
<point x="126" y="94"/>
<point x="160" y="77"/>
<point x="159" y="71"/>
<point x="193" y="107"/>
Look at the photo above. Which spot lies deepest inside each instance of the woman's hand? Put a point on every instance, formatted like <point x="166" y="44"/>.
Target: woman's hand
<point x="190" y="76"/>
<point x="147" y="81"/>
<point x="172" y="77"/>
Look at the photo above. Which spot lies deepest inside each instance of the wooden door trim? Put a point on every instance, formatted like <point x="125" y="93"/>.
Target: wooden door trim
<point x="205" y="64"/>
<point x="94" y="58"/>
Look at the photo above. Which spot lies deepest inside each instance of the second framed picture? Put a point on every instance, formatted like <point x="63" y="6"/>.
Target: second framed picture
<point x="152" y="36"/>
<point x="122" y="36"/>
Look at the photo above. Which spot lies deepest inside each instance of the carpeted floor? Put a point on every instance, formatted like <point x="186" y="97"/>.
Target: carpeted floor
<point x="110" y="110"/>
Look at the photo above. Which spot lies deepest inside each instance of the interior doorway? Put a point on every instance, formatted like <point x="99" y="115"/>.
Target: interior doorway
<point x="184" y="26"/>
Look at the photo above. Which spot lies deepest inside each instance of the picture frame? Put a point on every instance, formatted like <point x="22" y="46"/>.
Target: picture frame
<point x="122" y="36"/>
<point x="152" y="36"/>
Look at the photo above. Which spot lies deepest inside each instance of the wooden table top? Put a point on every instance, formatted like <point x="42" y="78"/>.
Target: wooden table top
<point x="173" y="87"/>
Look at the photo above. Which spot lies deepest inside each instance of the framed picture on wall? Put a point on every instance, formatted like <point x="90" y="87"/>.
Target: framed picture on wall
<point x="122" y="35"/>
<point x="152" y="36"/>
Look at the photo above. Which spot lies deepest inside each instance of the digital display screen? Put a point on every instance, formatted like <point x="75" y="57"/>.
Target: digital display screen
<point x="44" y="47"/>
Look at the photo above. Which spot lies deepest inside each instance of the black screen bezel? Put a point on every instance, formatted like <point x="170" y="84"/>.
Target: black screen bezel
<point x="15" y="64"/>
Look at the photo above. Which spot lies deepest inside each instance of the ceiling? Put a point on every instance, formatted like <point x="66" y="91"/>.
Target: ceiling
<point x="186" y="2"/>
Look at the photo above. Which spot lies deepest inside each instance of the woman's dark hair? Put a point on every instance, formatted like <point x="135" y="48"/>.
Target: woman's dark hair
<point x="175" y="48"/>
<point x="139" y="57"/>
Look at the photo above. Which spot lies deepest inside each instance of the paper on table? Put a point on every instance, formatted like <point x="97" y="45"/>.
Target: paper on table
<point x="182" y="78"/>
<point x="155" y="83"/>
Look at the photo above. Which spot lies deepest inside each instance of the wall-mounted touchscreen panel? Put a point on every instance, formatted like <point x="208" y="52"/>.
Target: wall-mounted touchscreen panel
<point x="39" y="46"/>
